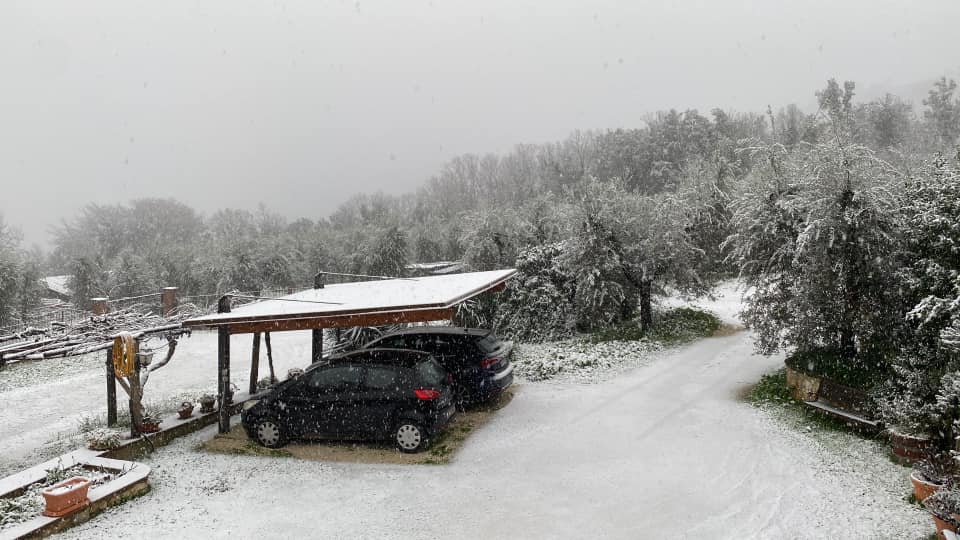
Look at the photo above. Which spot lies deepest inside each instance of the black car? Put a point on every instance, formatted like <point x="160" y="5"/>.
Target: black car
<point x="477" y="360"/>
<point x="368" y="394"/>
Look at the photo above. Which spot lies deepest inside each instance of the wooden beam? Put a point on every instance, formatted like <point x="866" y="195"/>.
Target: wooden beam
<point x="238" y="319"/>
<point x="343" y="321"/>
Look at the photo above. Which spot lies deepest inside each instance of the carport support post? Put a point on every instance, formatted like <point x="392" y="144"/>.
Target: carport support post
<point x="255" y="363"/>
<point x="136" y="393"/>
<point x="111" y="390"/>
<point x="317" y="332"/>
<point x="223" y="366"/>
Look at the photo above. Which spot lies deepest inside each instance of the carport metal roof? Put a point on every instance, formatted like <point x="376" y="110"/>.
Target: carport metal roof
<point x="364" y="303"/>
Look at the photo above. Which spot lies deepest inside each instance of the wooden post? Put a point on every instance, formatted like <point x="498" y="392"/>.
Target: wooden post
<point x="266" y="337"/>
<point x="136" y="393"/>
<point x="168" y="300"/>
<point x="255" y="363"/>
<point x="223" y="366"/>
<point x="99" y="306"/>
<point x="111" y="391"/>
<point x="317" y="349"/>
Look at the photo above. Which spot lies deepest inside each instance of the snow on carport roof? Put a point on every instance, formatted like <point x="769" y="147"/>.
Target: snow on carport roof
<point x="344" y="304"/>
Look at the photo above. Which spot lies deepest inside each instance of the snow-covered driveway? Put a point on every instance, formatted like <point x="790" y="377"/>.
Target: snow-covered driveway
<point x="664" y="451"/>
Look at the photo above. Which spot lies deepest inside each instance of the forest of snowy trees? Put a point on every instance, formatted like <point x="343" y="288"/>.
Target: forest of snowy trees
<point x="844" y="221"/>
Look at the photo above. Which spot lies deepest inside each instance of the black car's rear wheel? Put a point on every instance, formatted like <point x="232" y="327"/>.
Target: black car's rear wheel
<point x="269" y="433"/>
<point x="410" y="436"/>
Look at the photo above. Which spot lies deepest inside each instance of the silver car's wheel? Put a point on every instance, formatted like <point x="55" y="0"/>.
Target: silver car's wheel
<point x="410" y="437"/>
<point x="268" y="433"/>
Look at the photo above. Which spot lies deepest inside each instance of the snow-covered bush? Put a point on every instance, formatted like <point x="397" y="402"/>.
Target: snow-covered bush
<point x="579" y="359"/>
<point x="604" y="227"/>
<point x="536" y="306"/>
<point x="925" y="385"/>
<point x="933" y="249"/>
<point x="906" y="401"/>
<point x="816" y="235"/>
<point x="947" y="404"/>
<point x="103" y="439"/>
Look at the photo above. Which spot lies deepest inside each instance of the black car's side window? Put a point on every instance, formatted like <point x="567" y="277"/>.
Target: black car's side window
<point x="388" y="342"/>
<point x="380" y="378"/>
<point x="336" y="379"/>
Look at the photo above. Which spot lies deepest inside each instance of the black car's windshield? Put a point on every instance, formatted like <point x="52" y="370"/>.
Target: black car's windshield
<point x="488" y="343"/>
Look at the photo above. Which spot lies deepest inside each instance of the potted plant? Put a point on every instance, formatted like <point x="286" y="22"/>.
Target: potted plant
<point x="944" y="506"/>
<point x="229" y="393"/>
<point x="149" y="424"/>
<point x="185" y="410"/>
<point x="66" y="497"/>
<point x="206" y="403"/>
<point x="932" y="474"/>
<point x="909" y="420"/>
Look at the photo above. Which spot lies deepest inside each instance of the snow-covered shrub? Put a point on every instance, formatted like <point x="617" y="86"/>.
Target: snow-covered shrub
<point x="816" y="235"/>
<point x="925" y="385"/>
<point x="605" y="226"/>
<point x="947" y="404"/>
<point x="683" y="324"/>
<point x="103" y="439"/>
<point x="933" y="249"/>
<point x="579" y="359"/>
<point x="536" y="306"/>
<point x="906" y="401"/>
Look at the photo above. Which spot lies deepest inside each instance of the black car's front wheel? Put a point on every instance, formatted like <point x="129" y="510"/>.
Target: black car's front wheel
<point x="410" y="436"/>
<point x="269" y="433"/>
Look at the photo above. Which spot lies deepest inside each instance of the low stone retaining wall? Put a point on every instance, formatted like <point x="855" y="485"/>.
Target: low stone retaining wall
<point x="802" y="386"/>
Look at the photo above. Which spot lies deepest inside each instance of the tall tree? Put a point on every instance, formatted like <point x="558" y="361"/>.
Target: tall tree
<point x="943" y="113"/>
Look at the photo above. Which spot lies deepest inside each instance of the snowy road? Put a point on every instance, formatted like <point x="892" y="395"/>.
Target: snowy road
<point x="664" y="451"/>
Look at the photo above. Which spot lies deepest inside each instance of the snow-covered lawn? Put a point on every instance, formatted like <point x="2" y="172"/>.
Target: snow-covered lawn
<point x="663" y="450"/>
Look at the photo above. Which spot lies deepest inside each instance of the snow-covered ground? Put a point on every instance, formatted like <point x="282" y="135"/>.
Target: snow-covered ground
<point x="45" y="402"/>
<point x="664" y="450"/>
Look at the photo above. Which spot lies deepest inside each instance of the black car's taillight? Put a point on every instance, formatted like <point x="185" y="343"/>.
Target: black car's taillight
<point x="487" y="362"/>
<point x="426" y="394"/>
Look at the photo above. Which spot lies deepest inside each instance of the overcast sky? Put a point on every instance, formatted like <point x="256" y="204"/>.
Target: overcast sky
<point x="302" y="104"/>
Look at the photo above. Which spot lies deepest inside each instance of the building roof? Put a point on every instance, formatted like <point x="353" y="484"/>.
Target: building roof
<point x="58" y="284"/>
<point x="363" y="303"/>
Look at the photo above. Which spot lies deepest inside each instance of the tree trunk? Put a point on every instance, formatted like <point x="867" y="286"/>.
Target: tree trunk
<point x="646" y="310"/>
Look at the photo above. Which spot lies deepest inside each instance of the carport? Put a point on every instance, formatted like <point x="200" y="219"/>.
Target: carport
<point x="341" y="305"/>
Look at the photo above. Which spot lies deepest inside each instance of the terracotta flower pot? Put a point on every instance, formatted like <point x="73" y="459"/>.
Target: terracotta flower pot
<point x="943" y="525"/>
<point x="923" y="488"/>
<point x="152" y="426"/>
<point x="185" y="410"/>
<point x="909" y="448"/>
<point x="66" y="497"/>
<point x="206" y="404"/>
